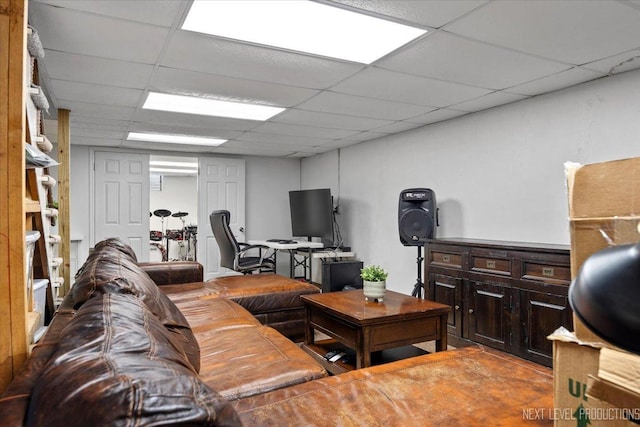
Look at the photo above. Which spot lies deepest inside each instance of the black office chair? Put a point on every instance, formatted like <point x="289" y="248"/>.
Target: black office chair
<point x="233" y="254"/>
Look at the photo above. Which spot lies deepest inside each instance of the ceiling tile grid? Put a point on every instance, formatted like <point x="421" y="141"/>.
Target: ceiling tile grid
<point x="103" y="57"/>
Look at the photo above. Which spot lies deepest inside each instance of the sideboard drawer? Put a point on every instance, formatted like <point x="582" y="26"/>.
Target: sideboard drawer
<point x="446" y="259"/>
<point x="546" y="273"/>
<point x="492" y="265"/>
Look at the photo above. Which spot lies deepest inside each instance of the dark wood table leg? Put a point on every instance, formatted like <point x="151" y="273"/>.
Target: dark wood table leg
<point x="441" y="343"/>
<point x="309" y="335"/>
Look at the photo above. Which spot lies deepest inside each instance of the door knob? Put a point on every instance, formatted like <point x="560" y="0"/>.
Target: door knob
<point x="457" y="307"/>
<point x="471" y="311"/>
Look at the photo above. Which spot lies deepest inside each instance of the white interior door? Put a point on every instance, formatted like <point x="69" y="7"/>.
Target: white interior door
<point x="221" y="185"/>
<point x="121" y="199"/>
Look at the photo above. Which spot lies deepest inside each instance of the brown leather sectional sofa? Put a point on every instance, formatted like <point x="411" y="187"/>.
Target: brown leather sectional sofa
<point x="123" y="351"/>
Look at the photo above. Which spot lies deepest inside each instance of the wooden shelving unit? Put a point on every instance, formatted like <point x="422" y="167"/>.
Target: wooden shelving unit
<point x="13" y="297"/>
<point x="26" y="194"/>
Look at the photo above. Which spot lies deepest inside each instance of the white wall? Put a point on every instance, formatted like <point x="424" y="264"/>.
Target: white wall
<point x="269" y="181"/>
<point x="497" y="174"/>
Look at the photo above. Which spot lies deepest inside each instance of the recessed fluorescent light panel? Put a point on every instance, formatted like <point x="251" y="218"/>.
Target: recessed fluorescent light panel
<point x="303" y="26"/>
<point x="209" y="107"/>
<point x="175" y="139"/>
<point x="169" y="170"/>
<point x="173" y="164"/>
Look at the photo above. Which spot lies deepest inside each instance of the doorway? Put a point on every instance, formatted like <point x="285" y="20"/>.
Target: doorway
<point x="173" y="208"/>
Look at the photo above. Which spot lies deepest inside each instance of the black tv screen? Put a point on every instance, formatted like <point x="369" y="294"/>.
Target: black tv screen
<point x="312" y="213"/>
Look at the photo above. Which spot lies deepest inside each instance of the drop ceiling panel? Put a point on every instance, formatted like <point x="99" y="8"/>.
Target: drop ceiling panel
<point x="396" y="127"/>
<point x="556" y="81"/>
<point x="267" y="146"/>
<point x="437" y="116"/>
<point x="461" y="60"/>
<point x="78" y="32"/>
<point x="82" y="132"/>
<point x="98" y="122"/>
<point x="97" y="111"/>
<point x="172" y="80"/>
<point x="158" y="12"/>
<point x="95" y="142"/>
<point x="334" y="121"/>
<point x="253" y="151"/>
<point x="96" y="94"/>
<point x="180" y="148"/>
<point x="91" y="69"/>
<point x="298" y="130"/>
<point x="282" y="139"/>
<point x="184" y="130"/>
<point x="489" y="101"/>
<point x="179" y="119"/>
<point x="196" y="52"/>
<point x="571" y="31"/>
<point x="384" y="84"/>
<point x="362" y="136"/>
<point x="338" y="103"/>
<point x="617" y="64"/>
<point x="432" y="13"/>
<point x="98" y="127"/>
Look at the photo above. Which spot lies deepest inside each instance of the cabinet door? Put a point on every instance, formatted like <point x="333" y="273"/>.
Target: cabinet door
<point x="448" y="290"/>
<point x="540" y="315"/>
<point x="488" y="314"/>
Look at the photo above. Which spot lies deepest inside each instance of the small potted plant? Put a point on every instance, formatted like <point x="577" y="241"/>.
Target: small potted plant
<point x="374" y="282"/>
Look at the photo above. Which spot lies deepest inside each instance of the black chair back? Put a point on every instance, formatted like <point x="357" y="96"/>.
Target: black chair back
<point x="227" y="242"/>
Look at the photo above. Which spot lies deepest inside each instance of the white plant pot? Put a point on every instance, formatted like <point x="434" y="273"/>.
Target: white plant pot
<point x="374" y="291"/>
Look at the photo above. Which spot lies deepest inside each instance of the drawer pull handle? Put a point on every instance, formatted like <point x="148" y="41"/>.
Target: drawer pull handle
<point x="446" y="258"/>
<point x="471" y="311"/>
<point x="547" y="271"/>
<point x="491" y="264"/>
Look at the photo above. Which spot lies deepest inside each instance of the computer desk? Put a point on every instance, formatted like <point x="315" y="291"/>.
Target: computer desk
<point x="308" y="250"/>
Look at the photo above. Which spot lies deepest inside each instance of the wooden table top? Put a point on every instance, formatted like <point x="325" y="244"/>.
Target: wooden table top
<point x="351" y="305"/>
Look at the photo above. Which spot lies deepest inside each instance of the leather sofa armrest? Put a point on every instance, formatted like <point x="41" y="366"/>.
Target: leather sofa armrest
<point x="173" y="273"/>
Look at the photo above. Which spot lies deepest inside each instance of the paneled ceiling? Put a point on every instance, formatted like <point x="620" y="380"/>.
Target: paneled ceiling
<point x="103" y="57"/>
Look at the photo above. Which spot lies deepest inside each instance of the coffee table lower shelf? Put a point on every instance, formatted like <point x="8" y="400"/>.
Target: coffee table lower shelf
<point x="320" y="348"/>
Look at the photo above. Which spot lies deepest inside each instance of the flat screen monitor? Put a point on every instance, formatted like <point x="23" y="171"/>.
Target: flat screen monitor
<point x="312" y="214"/>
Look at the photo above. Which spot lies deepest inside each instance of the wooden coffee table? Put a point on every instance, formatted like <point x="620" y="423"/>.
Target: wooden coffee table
<point x="369" y="326"/>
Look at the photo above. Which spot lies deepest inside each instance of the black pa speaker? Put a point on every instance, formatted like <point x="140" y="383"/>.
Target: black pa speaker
<point x="417" y="216"/>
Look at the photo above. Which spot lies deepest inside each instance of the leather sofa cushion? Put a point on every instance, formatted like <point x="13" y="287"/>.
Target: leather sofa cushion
<point x="110" y="269"/>
<point x="215" y="314"/>
<point x="188" y="291"/>
<point x="471" y="386"/>
<point x="116" y="364"/>
<point x="164" y="273"/>
<point x="116" y="244"/>
<point x="262" y="293"/>
<point x="241" y="362"/>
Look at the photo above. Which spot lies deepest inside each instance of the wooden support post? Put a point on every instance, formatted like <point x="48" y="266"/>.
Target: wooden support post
<point x="13" y="294"/>
<point x="64" y="203"/>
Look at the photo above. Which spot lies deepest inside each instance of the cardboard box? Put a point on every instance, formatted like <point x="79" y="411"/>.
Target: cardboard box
<point x="618" y="402"/>
<point x="601" y="190"/>
<point x="604" y="211"/>
<point x="590" y="235"/>
<point x="573" y="362"/>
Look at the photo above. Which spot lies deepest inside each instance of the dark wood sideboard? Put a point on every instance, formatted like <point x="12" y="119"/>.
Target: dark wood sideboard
<point x="505" y="295"/>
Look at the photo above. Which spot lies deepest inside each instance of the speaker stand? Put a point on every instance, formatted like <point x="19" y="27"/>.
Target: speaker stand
<point x="417" y="289"/>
